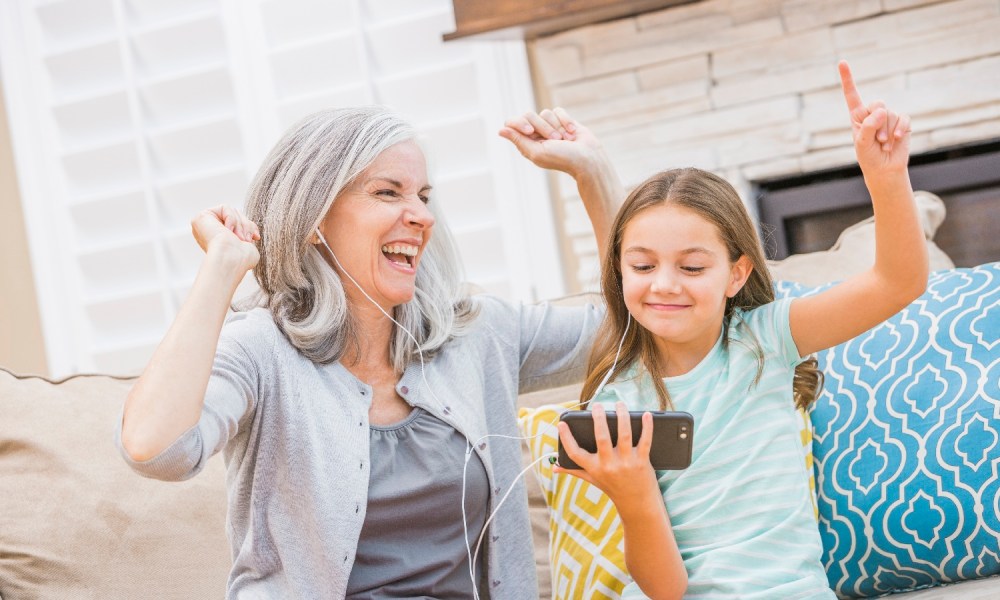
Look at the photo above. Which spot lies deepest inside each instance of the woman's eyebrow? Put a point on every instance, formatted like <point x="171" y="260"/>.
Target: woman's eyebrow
<point x="428" y="187"/>
<point x="391" y="182"/>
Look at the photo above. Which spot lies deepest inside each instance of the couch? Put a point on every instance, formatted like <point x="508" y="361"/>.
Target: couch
<point x="76" y="522"/>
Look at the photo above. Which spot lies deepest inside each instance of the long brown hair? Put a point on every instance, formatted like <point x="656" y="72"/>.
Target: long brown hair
<point x="715" y="200"/>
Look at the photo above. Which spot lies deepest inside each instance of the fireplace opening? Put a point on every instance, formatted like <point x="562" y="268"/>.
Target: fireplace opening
<point x="806" y="213"/>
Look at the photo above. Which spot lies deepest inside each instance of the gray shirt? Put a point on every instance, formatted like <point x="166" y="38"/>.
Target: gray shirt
<point x="295" y="439"/>
<point x="413" y="541"/>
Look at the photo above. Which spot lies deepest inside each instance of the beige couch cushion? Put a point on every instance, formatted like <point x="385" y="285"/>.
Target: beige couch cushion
<point x="855" y="250"/>
<point x="980" y="589"/>
<point x="76" y="522"/>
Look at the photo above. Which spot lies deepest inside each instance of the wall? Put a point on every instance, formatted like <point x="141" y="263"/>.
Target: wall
<point x="749" y="88"/>
<point x="128" y="117"/>
<point x="21" y="346"/>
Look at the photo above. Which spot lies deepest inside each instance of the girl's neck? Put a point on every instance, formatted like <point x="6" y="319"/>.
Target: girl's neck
<point x="679" y="357"/>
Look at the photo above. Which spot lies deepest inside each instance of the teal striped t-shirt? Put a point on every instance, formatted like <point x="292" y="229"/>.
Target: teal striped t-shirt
<point x="742" y="513"/>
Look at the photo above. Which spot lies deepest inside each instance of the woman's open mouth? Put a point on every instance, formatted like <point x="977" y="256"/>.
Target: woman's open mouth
<point x="400" y="254"/>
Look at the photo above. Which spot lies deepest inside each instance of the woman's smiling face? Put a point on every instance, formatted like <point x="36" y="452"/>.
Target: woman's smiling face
<point x="379" y="226"/>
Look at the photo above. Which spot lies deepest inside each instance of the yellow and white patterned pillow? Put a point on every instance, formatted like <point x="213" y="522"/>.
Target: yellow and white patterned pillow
<point x="806" y="437"/>
<point x="586" y="543"/>
<point x="586" y="539"/>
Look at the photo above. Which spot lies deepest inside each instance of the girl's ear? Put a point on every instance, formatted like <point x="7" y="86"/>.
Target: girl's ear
<point x="739" y="274"/>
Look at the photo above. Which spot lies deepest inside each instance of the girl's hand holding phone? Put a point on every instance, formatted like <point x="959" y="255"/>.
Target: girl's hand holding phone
<point x="618" y="470"/>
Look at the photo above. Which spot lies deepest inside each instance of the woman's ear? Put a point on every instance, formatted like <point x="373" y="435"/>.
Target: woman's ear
<point x="739" y="274"/>
<point x="315" y="238"/>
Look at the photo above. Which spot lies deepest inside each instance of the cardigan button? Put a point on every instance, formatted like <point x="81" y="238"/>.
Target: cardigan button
<point x="405" y="389"/>
<point x="496" y="583"/>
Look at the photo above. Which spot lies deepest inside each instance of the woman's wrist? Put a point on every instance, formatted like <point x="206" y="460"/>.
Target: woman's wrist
<point x="231" y="250"/>
<point x="227" y="263"/>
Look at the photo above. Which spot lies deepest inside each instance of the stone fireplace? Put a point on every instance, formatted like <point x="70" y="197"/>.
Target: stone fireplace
<point x="749" y="89"/>
<point x="806" y="213"/>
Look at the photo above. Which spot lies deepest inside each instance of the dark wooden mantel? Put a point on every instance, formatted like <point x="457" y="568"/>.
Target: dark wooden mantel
<point x="527" y="19"/>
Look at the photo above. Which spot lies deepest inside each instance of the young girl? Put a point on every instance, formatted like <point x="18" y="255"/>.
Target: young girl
<point x="690" y="300"/>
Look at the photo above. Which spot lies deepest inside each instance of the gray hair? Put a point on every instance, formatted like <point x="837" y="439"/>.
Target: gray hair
<point x="293" y="191"/>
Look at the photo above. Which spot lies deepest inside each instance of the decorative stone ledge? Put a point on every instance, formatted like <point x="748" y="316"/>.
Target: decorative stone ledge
<point x="528" y="19"/>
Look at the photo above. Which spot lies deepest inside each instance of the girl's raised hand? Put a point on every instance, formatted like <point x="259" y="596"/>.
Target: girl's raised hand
<point x="225" y="228"/>
<point x="552" y="139"/>
<point x="621" y="470"/>
<point x="881" y="136"/>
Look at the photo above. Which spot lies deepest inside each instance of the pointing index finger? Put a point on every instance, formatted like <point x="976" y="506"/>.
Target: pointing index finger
<point x="851" y="95"/>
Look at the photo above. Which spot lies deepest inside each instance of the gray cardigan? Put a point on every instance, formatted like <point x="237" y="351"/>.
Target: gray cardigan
<point x="295" y="440"/>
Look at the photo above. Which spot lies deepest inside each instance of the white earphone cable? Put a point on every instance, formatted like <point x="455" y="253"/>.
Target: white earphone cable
<point x="473" y="555"/>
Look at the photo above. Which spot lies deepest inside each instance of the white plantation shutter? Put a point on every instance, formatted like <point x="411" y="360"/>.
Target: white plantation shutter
<point x="129" y="116"/>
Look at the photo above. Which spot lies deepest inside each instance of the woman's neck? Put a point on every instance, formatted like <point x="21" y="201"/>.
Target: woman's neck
<point x="370" y="355"/>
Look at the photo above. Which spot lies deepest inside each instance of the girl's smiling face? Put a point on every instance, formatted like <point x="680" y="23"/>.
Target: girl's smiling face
<point x="380" y="224"/>
<point x="676" y="278"/>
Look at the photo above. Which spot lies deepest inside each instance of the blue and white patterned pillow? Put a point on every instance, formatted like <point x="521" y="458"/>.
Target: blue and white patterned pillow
<point x="907" y="441"/>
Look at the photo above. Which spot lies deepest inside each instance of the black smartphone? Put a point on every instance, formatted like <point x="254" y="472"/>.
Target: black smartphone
<point x="673" y="434"/>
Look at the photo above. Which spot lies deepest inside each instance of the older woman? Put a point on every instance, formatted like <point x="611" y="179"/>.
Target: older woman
<point x="356" y="404"/>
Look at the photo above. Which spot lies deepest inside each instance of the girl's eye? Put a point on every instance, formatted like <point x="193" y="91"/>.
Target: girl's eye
<point x="642" y="268"/>
<point x="693" y="270"/>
